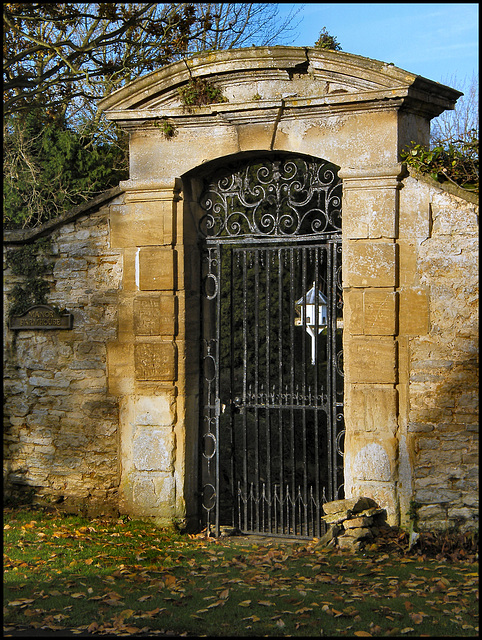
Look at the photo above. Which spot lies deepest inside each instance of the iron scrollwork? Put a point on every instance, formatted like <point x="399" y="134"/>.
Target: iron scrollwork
<point x="278" y="197"/>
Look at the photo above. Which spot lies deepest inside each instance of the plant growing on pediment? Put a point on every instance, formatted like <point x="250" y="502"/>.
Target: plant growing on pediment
<point x="167" y="128"/>
<point x="199" y="92"/>
<point x="327" y="41"/>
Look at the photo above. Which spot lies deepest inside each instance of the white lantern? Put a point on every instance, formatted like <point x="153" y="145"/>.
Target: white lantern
<point x="306" y="307"/>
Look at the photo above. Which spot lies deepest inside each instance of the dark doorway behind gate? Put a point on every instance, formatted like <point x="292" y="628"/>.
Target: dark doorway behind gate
<point x="272" y="388"/>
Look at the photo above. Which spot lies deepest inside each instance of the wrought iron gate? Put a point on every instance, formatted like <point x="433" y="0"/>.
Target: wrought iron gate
<point x="272" y="388"/>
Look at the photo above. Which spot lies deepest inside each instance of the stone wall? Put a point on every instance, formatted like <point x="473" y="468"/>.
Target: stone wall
<point x="129" y="369"/>
<point x="61" y="424"/>
<point x="442" y="411"/>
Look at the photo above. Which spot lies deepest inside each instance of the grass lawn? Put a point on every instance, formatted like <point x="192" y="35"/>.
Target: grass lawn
<point x="69" y="572"/>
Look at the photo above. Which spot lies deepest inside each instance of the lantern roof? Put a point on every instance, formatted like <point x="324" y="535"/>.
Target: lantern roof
<point x="310" y="297"/>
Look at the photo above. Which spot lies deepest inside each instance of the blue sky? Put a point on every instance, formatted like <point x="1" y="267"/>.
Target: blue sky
<point x="436" y="40"/>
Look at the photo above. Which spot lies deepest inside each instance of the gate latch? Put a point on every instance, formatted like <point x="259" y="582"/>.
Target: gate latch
<point x="237" y="405"/>
<point x="306" y="308"/>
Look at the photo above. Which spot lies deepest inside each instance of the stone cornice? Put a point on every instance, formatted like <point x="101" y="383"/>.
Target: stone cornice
<point x="322" y="79"/>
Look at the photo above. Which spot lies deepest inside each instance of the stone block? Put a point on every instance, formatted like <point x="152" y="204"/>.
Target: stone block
<point x="369" y="264"/>
<point x="438" y="495"/>
<point x="155" y="361"/>
<point x="370" y="360"/>
<point x="373" y="408"/>
<point x="414" y="312"/>
<point x="369" y="210"/>
<point x="145" y="223"/>
<point x="353" y="505"/>
<point x="346" y="542"/>
<point x="154" y="410"/>
<point x="358" y="533"/>
<point x="382" y="493"/>
<point x="353" y="311"/>
<point x="374" y="462"/>
<point x="360" y="522"/>
<point x="337" y="518"/>
<point x="129" y="272"/>
<point x="157" y="269"/>
<point x="154" y="449"/>
<point x="408" y="273"/>
<point x="155" y="316"/>
<point x="148" y="494"/>
<point x="379" y="312"/>
<point x="119" y="360"/>
<point x="414" y="209"/>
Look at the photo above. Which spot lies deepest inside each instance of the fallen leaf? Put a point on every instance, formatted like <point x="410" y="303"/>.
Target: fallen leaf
<point x="416" y="618"/>
<point x="266" y="603"/>
<point x="22" y="602"/>
<point x="113" y="603"/>
<point x="169" y="580"/>
<point x="363" y="634"/>
<point x="143" y="598"/>
<point x="245" y="603"/>
<point x="280" y="623"/>
<point x="127" y="613"/>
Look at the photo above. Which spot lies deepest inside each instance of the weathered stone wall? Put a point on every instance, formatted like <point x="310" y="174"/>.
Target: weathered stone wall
<point x="442" y="408"/>
<point x="61" y="423"/>
<point x="113" y="404"/>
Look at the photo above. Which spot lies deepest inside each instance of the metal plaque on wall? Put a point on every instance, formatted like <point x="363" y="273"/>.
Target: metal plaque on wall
<point x="41" y="316"/>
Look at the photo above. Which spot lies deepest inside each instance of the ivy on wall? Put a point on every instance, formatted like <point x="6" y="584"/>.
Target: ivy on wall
<point x="31" y="263"/>
<point x="457" y="162"/>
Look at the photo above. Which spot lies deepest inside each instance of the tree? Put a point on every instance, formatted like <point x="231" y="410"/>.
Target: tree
<point x="463" y="121"/>
<point x="65" y="56"/>
<point x="49" y="168"/>
<point x="59" y="59"/>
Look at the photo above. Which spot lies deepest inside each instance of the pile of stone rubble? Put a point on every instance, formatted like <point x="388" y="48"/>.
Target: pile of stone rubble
<point x="353" y="522"/>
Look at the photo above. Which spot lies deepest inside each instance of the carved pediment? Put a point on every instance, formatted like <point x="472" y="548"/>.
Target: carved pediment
<point x="257" y="78"/>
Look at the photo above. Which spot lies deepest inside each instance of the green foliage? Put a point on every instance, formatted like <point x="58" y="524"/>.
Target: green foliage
<point x="326" y="41"/>
<point x="49" y="168"/>
<point x="31" y="263"/>
<point x="456" y="162"/>
<point x="167" y="128"/>
<point x="199" y="92"/>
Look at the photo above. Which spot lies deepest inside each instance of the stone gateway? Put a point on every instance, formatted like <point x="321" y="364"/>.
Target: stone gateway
<point x="125" y="412"/>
